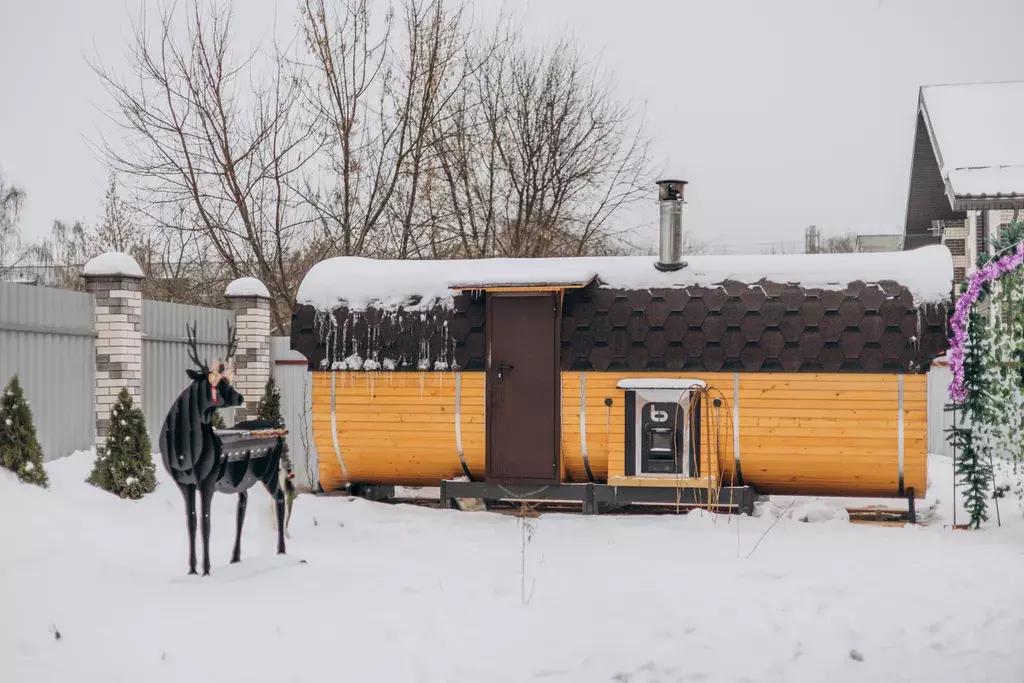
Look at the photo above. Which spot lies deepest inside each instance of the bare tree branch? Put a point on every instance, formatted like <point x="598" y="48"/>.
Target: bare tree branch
<point x="214" y="148"/>
<point x="12" y="251"/>
<point x="541" y="156"/>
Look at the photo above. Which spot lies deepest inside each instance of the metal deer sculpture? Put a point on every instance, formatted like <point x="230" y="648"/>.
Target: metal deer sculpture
<point x="199" y="459"/>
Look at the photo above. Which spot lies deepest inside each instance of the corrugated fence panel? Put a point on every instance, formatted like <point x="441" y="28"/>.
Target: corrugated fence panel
<point x="939" y="379"/>
<point x="293" y="380"/>
<point x="165" y="354"/>
<point x="47" y="338"/>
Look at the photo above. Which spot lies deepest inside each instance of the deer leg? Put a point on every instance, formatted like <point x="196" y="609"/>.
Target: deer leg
<point x="288" y="514"/>
<point x="273" y="484"/>
<point x="279" y="501"/>
<point x="243" y="499"/>
<point x="206" y="497"/>
<point x="188" y="492"/>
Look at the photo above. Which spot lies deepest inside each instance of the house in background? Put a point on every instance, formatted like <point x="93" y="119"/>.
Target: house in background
<point x="967" y="174"/>
<point x="877" y="243"/>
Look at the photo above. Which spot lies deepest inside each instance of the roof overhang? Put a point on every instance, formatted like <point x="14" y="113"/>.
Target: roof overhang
<point x="498" y="286"/>
<point x="983" y="202"/>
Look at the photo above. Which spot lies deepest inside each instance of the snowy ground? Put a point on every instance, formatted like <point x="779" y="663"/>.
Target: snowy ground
<point x="400" y="593"/>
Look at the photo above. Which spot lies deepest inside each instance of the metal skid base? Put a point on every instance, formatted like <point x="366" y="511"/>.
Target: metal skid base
<point x="596" y="498"/>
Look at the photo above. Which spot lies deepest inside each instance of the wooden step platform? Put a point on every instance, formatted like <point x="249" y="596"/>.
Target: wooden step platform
<point x="597" y="498"/>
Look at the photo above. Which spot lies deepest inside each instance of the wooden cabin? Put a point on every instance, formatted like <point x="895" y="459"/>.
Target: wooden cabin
<point x="627" y="379"/>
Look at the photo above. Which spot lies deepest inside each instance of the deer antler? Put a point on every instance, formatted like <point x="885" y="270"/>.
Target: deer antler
<point x="232" y="343"/>
<point x="193" y="352"/>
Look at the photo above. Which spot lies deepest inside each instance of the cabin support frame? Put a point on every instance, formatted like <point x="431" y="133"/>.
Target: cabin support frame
<point x="595" y="498"/>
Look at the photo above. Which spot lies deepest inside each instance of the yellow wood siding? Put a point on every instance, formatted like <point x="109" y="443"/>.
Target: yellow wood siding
<point x="807" y="433"/>
<point x="814" y="434"/>
<point x="397" y="427"/>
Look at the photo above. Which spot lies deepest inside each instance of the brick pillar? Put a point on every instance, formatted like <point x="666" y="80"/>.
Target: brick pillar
<point x="955" y="234"/>
<point x="116" y="281"/>
<point x="250" y="300"/>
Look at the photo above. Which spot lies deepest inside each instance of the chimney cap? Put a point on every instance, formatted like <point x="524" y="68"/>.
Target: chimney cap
<point x="671" y="190"/>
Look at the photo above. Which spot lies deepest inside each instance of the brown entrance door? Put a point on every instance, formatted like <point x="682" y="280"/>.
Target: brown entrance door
<point x="523" y="388"/>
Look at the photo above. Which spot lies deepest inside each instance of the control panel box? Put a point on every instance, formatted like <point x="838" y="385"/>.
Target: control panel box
<point x="662" y="428"/>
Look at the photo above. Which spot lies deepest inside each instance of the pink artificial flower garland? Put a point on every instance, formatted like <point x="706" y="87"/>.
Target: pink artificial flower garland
<point x="992" y="271"/>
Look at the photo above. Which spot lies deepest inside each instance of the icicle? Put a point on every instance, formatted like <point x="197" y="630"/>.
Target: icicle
<point x="344" y="338"/>
<point x="325" y="323"/>
<point x="445" y="336"/>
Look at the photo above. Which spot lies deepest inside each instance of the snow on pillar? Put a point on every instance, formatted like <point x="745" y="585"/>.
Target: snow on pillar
<point x="251" y="302"/>
<point x="115" y="280"/>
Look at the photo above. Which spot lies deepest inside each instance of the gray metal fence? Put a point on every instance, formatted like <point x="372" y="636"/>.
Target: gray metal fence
<point x="165" y="354"/>
<point x="294" y="383"/>
<point x="47" y="338"/>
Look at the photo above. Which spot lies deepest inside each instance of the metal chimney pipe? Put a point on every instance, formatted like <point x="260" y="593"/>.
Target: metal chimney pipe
<point x="670" y="199"/>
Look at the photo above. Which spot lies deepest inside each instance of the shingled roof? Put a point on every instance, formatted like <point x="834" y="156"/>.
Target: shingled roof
<point x="850" y="324"/>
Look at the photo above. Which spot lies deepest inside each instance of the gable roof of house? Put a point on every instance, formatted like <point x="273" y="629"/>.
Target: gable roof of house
<point x="978" y="137"/>
<point x="968" y="154"/>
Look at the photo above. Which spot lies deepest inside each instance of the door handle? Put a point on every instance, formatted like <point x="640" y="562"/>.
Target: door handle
<point x="501" y="370"/>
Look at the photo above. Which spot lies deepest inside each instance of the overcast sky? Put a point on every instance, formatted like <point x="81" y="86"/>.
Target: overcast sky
<point x="780" y="113"/>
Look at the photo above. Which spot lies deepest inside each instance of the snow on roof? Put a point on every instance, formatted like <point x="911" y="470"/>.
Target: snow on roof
<point x="247" y="286"/>
<point x="992" y="181"/>
<point x="359" y="283"/>
<point x="113" y="263"/>
<point x="979" y="136"/>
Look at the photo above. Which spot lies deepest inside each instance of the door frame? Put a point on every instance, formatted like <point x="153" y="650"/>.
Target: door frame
<point x="556" y="296"/>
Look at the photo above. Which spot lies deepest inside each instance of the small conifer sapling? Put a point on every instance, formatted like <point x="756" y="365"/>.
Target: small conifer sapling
<point x="124" y="465"/>
<point x="20" y="451"/>
<point x="269" y="409"/>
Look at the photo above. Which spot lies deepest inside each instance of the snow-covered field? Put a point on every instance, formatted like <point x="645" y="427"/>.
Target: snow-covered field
<point x="400" y="593"/>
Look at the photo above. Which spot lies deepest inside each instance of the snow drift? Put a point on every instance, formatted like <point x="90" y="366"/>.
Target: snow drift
<point x="400" y="593"/>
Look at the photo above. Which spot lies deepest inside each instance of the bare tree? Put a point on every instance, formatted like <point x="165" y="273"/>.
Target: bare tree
<point x="541" y="155"/>
<point x="63" y="254"/>
<point x="119" y="230"/>
<point x="397" y="133"/>
<point x="12" y="252"/>
<point x="839" y="244"/>
<point x="213" y="148"/>
<point x="779" y="249"/>
<point x="175" y="269"/>
<point x="378" y="98"/>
